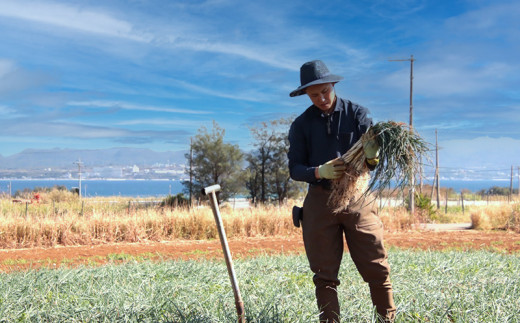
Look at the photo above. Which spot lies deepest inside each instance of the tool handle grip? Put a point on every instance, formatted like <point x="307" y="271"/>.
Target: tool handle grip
<point x="211" y="189"/>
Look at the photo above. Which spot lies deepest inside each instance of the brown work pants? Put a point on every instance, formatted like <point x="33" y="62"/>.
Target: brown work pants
<point x="323" y="238"/>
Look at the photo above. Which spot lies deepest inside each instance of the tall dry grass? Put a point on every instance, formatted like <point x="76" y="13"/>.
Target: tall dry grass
<point x="89" y="222"/>
<point x="397" y="219"/>
<point x="501" y="217"/>
<point x="74" y="222"/>
<point x="62" y="219"/>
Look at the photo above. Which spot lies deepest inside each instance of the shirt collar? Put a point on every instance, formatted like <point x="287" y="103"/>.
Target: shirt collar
<point x="340" y="106"/>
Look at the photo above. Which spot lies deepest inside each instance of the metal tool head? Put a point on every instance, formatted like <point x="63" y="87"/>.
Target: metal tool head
<point x="211" y="189"/>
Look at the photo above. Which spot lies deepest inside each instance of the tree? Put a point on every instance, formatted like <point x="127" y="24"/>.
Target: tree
<point x="267" y="171"/>
<point x="214" y="162"/>
<point x="252" y="174"/>
<point x="280" y="184"/>
<point x="497" y="190"/>
<point x="258" y="162"/>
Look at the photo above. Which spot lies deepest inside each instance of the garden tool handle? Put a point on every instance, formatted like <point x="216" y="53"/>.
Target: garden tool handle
<point x="211" y="190"/>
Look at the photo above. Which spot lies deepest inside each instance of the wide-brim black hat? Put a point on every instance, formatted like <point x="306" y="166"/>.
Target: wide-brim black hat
<point x="312" y="73"/>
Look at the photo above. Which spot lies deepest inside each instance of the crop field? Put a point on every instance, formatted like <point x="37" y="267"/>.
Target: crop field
<point x="105" y="261"/>
<point x="449" y="286"/>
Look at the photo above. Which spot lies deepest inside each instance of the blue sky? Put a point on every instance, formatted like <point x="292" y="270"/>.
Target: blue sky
<point x="100" y="74"/>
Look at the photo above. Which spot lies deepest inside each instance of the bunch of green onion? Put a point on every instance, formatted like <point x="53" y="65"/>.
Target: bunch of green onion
<point x="401" y="150"/>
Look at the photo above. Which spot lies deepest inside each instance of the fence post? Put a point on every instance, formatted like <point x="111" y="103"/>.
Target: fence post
<point x="26" y="209"/>
<point x="462" y="201"/>
<point x="446" y="205"/>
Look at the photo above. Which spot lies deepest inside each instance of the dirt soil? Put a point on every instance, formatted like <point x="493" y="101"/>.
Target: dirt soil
<point x="449" y="238"/>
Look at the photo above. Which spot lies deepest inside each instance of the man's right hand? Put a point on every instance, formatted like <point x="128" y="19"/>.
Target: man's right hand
<point x="333" y="169"/>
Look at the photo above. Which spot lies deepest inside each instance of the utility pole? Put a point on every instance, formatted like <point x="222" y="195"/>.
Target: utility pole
<point x="79" y="163"/>
<point x="511" y="186"/>
<point x="412" y="176"/>
<point x="437" y="171"/>
<point x="191" y="171"/>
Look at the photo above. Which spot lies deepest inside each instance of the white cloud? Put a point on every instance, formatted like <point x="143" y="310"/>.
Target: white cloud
<point x="130" y="106"/>
<point x="6" y="67"/>
<point x="14" y="79"/>
<point x="452" y="124"/>
<point x="444" y="78"/>
<point x="258" y="54"/>
<point x="60" y="129"/>
<point x="497" y="19"/>
<point x="70" y="17"/>
<point x="183" y="33"/>
<point x="479" y="152"/>
<point x="251" y="96"/>
<point x="397" y="9"/>
<point x="161" y="122"/>
<point x="5" y="111"/>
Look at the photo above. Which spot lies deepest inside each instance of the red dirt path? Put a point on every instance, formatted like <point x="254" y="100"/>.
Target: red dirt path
<point x="19" y="259"/>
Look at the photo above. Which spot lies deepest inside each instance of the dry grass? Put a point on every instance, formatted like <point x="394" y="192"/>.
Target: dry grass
<point x="61" y="219"/>
<point x="98" y="222"/>
<point x="397" y="219"/>
<point x="503" y="217"/>
<point x="95" y="222"/>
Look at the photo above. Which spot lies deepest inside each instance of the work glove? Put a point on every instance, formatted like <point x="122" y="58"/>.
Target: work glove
<point x="333" y="169"/>
<point x="371" y="148"/>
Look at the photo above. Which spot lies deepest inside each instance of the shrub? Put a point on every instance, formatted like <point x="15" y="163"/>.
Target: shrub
<point x="175" y="201"/>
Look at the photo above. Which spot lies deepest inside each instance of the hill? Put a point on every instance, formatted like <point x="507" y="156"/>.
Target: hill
<point x="64" y="158"/>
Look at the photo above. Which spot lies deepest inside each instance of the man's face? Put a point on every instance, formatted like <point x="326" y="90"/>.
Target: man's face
<point x="322" y="95"/>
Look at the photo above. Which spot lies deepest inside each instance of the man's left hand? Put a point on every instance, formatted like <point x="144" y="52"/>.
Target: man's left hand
<point x="371" y="148"/>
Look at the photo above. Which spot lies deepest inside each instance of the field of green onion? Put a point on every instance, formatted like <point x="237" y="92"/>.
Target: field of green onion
<point x="451" y="286"/>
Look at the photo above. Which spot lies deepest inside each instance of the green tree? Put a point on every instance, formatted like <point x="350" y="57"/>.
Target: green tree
<point x="497" y="190"/>
<point x="214" y="162"/>
<point x="258" y="162"/>
<point x="253" y="180"/>
<point x="267" y="172"/>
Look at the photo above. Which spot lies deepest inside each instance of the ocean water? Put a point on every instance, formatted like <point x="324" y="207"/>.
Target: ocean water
<point x="474" y="185"/>
<point x="127" y="188"/>
<point x="161" y="188"/>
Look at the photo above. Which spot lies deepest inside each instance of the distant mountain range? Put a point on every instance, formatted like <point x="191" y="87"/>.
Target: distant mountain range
<point x="65" y="158"/>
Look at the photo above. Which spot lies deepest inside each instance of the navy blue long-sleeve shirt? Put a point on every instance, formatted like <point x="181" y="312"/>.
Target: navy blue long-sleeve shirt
<point x="315" y="138"/>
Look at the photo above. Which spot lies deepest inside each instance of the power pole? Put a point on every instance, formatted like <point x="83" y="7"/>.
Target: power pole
<point x="412" y="176"/>
<point x="79" y="163"/>
<point x="437" y="171"/>
<point x="191" y="171"/>
<point x="511" y="186"/>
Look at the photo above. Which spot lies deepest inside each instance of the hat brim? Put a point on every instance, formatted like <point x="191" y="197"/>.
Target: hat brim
<point x="327" y="79"/>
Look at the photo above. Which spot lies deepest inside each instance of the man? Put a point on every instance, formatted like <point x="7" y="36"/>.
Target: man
<point x="325" y="131"/>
